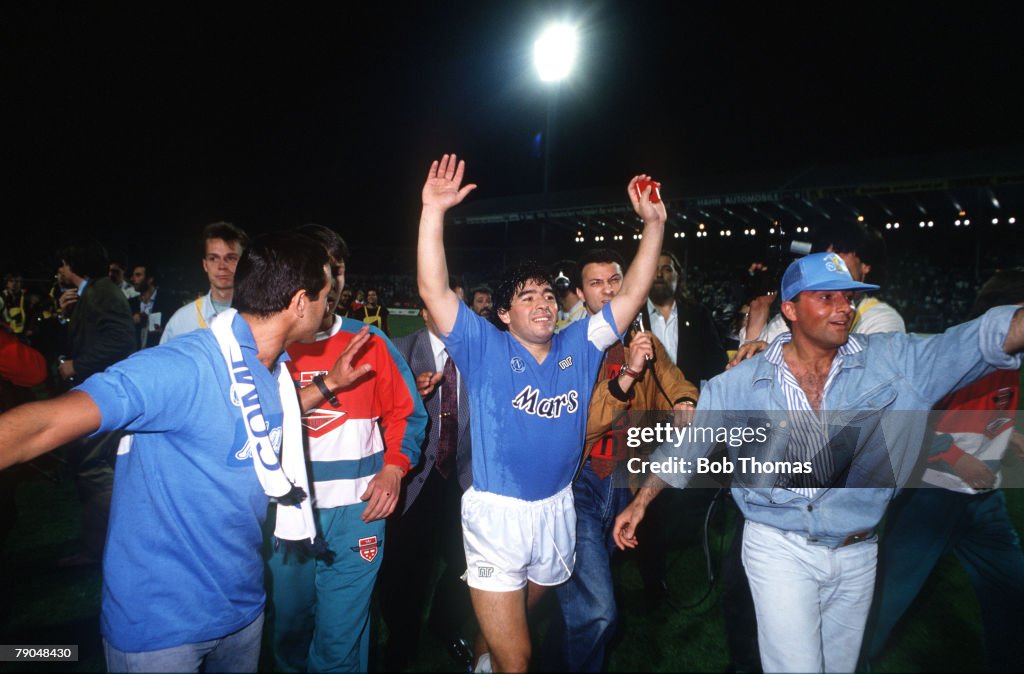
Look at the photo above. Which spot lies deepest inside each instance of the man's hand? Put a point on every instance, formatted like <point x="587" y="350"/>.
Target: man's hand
<point x="624" y="529"/>
<point x="641" y="350"/>
<point x="757" y="314"/>
<point x="444" y="188"/>
<point x="426" y="382"/>
<point x="66" y="369"/>
<point x="342" y="374"/>
<point x="67" y="300"/>
<point x="682" y="414"/>
<point x="650" y="213"/>
<point x="974" y="472"/>
<point x="382" y="493"/>
<point x="748" y="350"/>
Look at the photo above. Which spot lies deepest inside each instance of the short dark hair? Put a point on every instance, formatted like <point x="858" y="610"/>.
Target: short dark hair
<point x="597" y="256"/>
<point x="328" y="238"/>
<point x="88" y="260"/>
<point x="152" y="270"/>
<point x="682" y="290"/>
<point x="850" y="236"/>
<point x="1006" y="286"/>
<point x="480" y="289"/>
<point x="226" y="231"/>
<point x="513" y="280"/>
<point x="273" y="268"/>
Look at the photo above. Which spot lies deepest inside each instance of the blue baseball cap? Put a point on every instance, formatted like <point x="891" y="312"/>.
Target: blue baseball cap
<point x="819" y="271"/>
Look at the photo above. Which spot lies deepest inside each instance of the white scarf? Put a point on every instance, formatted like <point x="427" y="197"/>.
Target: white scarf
<point x="279" y="479"/>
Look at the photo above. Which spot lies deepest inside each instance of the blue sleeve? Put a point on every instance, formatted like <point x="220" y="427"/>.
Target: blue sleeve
<point x="938" y="364"/>
<point x="152" y="391"/>
<point x="468" y="340"/>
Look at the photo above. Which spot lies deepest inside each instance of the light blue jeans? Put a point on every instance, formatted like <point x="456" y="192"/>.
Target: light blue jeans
<point x="236" y="652"/>
<point x="811" y="601"/>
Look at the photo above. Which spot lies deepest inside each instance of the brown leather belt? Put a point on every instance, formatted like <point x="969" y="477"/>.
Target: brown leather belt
<point x="856" y="538"/>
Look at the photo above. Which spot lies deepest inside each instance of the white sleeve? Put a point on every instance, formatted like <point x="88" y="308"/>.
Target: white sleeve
<point x="880" y="318"/>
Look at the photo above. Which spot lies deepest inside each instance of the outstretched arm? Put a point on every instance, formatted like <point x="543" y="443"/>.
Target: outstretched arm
<point x="637" y="282"/>
<point x="33" y="429"/>
<point x="1015" y="337"/>
<point x="442" y="190"/>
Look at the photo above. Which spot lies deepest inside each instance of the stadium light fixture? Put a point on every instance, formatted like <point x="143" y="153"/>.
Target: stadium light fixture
<point x="554" y="52"/>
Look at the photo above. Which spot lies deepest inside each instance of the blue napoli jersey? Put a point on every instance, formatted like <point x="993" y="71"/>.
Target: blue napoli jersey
<point x="182" y="562"/>
<point x="527" y="419"/>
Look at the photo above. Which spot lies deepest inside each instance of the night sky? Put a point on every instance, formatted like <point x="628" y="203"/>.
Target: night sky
<point x="139" y="124"/>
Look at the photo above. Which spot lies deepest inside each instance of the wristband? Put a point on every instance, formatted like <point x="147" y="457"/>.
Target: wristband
<point x="327" y="393"/>
<point x="686" y="400"/>
<point x="626" y="370"/>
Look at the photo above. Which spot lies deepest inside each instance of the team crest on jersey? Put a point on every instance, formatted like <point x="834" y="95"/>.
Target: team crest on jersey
<point x="320" y="422"/>
<point x="517" y="364"/>
<point x="367" y="548"/>
<point x="245" y="453"/>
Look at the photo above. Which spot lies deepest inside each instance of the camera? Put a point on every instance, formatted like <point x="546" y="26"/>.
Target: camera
<point x="562" y="282"/>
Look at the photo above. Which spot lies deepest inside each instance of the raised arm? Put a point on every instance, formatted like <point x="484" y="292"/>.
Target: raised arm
<point x="35" y="428"/>
<point x="637" y="282"/>
<point x="443" y="190"/>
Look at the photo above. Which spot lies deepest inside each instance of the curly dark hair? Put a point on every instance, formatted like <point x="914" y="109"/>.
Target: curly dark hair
<point x="513" y="280"/>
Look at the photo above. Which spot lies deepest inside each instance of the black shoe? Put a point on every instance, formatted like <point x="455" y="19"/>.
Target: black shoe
<point x="461" y="652"/>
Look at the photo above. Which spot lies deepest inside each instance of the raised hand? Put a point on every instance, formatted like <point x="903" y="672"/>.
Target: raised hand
<point x="444" y="187"/>
<point x="342" y="373"/>
<point x="641" y="350"/>
<point x="642" y="205"/>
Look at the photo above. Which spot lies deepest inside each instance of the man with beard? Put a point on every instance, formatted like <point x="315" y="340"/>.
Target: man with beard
<point x="682" y="324"/>
<point x="480" y="301"/>
<point x="686" y="329"/>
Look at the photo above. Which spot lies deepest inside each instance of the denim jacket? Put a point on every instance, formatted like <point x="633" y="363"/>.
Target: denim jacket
<point x="875" y="413"/>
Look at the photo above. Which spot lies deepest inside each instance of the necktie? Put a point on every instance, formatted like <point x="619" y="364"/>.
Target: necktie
<point x="448" y="437"/>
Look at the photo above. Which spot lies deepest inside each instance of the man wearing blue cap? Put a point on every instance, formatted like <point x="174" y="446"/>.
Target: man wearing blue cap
<point x="822" y="429"/>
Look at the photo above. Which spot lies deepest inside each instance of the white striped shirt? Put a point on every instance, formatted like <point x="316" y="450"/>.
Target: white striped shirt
<point x="808" y="439"/>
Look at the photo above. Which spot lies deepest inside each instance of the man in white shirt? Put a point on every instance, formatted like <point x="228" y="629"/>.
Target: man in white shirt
<point x="222" y="247"/>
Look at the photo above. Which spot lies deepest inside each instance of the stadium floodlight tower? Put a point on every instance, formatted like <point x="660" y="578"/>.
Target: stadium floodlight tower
<point x="554" y="55"/>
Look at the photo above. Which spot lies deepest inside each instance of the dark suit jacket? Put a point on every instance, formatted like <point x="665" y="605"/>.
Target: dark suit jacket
<point x="165" y="304"/>
<point x="417" y="352"/>
<point x="100" y="332"/>
<point x="699" y="354"/>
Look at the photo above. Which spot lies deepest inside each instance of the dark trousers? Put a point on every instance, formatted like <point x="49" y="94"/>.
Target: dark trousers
<point x="92" y="464"/>
<point x="738" y="605"/>
<point x="431" y="528"/>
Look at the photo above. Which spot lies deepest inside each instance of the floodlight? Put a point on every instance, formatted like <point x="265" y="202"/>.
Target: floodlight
<point x="554" y="52"/>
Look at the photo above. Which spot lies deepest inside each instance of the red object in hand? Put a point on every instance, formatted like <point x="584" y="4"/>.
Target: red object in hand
<point x="655" y="186"/>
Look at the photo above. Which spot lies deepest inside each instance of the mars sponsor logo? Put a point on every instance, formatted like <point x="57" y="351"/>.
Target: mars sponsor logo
<point x="528" y="400"/>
